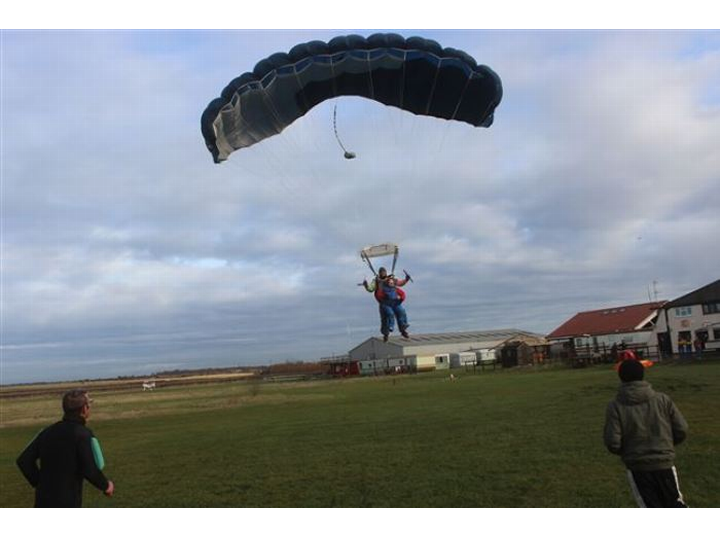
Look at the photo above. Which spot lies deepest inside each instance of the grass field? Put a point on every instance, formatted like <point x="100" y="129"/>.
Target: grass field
<point x="518" y="438"/>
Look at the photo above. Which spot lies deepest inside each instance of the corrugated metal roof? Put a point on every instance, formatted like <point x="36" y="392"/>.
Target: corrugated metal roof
<point x="459" y="337"/>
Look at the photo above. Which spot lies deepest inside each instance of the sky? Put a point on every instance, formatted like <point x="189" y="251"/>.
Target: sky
<point x="127" y="251"/>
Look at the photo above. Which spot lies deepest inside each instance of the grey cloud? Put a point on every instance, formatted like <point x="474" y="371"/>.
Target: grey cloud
<point x="123" y="242"/>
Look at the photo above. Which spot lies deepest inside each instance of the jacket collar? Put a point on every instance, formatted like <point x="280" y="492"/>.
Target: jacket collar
<point x="74" y="418"/>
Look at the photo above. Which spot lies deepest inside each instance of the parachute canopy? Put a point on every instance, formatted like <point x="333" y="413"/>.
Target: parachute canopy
<point x="414" y="74"/>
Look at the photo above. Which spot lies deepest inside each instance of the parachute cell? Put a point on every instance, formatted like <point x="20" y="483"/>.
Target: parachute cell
<point x="416" y="75"/>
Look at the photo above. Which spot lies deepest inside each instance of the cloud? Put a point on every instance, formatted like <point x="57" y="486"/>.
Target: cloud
<point x="122" y="242"/>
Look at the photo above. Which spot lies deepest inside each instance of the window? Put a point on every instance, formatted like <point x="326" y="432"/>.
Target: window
<point x="716" y="334"/>
<point x="711" y="308"/>
<point x="683" y="311"/>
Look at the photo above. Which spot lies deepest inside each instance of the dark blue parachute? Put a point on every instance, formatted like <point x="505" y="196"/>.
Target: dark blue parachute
<point x="413" y="74"/>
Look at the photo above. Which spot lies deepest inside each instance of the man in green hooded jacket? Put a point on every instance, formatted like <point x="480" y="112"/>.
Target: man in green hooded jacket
<point x="642" y="427"/>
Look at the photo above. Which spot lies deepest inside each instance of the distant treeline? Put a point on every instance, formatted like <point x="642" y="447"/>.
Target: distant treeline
<point x="282" y="368"/>
<point x="291" y="368"/>
<point x="207" y="371"/>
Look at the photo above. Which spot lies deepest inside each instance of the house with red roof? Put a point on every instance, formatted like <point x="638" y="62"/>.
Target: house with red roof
<point x="631" y="325"/>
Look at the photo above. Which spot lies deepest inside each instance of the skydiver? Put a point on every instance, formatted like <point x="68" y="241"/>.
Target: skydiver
<point x="390" y="296"/>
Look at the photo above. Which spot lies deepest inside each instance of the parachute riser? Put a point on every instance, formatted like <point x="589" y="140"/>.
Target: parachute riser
<point x="367" y="260"/>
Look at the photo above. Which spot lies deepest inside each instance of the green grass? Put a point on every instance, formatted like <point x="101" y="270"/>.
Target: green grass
<point x="495" y="439"/>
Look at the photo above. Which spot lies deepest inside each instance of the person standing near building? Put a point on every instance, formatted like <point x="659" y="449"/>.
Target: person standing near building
<point x="68" y="454"/>
<point x="642" y="427"/>
<point x="699" y="346"/>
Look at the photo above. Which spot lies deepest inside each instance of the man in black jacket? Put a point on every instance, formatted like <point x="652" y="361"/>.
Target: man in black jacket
<point x="68" y="453"/>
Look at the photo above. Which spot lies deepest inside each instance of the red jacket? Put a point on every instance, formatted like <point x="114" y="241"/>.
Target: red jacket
<point x="380" y="294"/>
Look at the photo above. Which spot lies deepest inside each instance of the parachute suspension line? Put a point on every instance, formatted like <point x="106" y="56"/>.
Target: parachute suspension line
<point x="430" y="99"/>
<point x="444" y="135"/>
<point x="491" y="105"/>
<point x="277" y="120"/>
<point x="372" y="87"/>
<point x="273" y="110"/>
<point x="305" y="114"/>
<point x="403" y="123"/>
<point x="402" y="94"/>
<point x="432" y="91"/>
<point x="457" y="107"/>
<point x="300" y="89"/>
<point x="275" y="170"/>
<point x="462" y="95"/>
<point x="348" y="154"/>
<point x="267" y="176"/>
<point x="290" y="144"/>
<point x="289" y="139"/>
<point x="367" y="260"/>
<point x="332" y="79"/>
<point x="245" y="170"/>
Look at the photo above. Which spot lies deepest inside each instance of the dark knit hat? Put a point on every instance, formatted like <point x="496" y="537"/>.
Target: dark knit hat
<point x="631" y="370"/>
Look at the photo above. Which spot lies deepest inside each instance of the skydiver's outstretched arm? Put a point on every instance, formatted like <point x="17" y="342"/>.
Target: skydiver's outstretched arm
<point x="371" y="287"/>
<point x="403" y="281"/>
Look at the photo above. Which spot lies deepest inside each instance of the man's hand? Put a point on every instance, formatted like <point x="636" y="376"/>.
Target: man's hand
<point x="110" y="489"/>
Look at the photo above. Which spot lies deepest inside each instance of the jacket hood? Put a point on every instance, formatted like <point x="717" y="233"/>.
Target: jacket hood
<point x="635" y="392"/>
